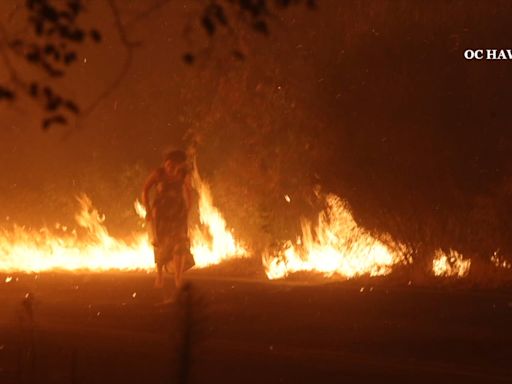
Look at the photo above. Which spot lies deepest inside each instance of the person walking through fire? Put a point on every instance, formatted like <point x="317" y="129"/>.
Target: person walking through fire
<point x="167" y="213"/>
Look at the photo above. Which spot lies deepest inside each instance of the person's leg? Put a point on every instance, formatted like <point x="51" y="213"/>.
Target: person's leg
<point x="156" y="224"/>
<point x="159" y="282"/>
<point x="178" y="269"/>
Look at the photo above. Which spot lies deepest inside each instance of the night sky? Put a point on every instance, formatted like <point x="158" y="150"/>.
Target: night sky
<point x="370" y="100"/>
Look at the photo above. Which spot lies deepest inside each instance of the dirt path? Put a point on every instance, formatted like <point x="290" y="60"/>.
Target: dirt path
<point x="96" y="327"/>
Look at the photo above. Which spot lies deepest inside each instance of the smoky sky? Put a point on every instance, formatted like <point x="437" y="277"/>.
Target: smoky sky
<point x="401" y="123"/>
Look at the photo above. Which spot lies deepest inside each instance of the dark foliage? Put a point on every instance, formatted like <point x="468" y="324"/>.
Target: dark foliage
<point x="255" y="13"/>
<point x="57" y="36"/>
<point x="53" y="49"/>
<point x="6" y="93"/>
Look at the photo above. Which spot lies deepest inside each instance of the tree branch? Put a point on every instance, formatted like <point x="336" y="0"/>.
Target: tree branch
<point x="4" y="46"/>
<point x="142" y="15"/>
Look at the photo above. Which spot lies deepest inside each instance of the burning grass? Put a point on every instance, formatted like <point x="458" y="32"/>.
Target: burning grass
<point x="92" y="248"/>
<point x="334" y="247"/>
<point x="450" y="264"/>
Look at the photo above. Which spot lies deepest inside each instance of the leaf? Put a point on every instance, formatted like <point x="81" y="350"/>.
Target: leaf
<point x="238" y="55"/>
<point x="53" y="72"/>
<point x="283" y="3"/>
<point x="33" y="89"/>
<point x="208" y="25"/>
<point x="33" y="56"/>
<point x="49" y="48"/>
<point x="219" y="14"/>
<point x="260" y="26"/>
<point x="189" y="58"/>
<point x="67" y="15"/>
<point x="30" y="4"/>
<point x="49" y="13"/>
<point x="75" y="6"/>
<point x="39" y="27"/>
<point x="53" y="104"/>
<point x="71" y="105"/>
<point x="95" y="35"/>
<point x="64" y="31"/>
<point x="77" y="35"/>
<point x="255" y="8"/>
<point x="48" y="93"/>
<point x="69" y="57"/>
<point x="55" y="119"/>
<point x="6" y="93"/>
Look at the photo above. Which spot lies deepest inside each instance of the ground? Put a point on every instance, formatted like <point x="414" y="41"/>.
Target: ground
<point x="95" y="328"/>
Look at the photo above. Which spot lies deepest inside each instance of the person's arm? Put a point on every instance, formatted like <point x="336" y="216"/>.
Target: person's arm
<point x="150" y="182"/>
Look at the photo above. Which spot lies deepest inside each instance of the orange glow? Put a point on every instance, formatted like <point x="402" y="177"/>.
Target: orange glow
<point x="451" y="264"/>
<point x="211" y="241"/>
<point x="500" y="261"/>
<point x="93" y="248"/>
<point x="336" y="246"/>
<point x="34" y="251"/>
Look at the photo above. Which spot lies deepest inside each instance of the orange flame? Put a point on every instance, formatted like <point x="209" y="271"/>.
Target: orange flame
<point x="451" y="264"/>
<point x="337" y="246"/>
<point x="500" y="262"/>
<point x="211" y="241"/>
<point x="34" y="251"/>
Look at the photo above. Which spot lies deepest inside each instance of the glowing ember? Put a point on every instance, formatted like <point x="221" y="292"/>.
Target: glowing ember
<point x="96" y="250"/>
<point x="337" y="246"/>
<point x="451" y="264"/>
<point x="211" y="241"/>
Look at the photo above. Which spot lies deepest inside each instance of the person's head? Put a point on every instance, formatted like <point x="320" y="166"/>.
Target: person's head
<point x="174" y="160"/>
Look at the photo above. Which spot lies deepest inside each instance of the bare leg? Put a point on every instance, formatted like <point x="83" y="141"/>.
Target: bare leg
<point x="159" y="282"/>
<point x="178" y="270"/>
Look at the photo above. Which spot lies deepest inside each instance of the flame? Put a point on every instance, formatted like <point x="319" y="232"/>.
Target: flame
<point x="34" y="251"/>
<point x="211" y="241"/>
<point x="93" y="248"/>
<point x="337" y="246"/>
<point x="451" y="264"/>
<point x="140" y="210"/>
<point x="499" y="261"/>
